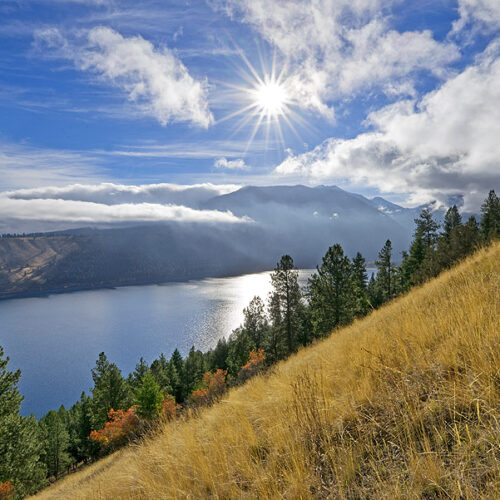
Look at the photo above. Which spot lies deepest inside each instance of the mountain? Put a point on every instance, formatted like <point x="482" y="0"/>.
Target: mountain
<point x="401" y="404"/>
<point x="297" y="220"/>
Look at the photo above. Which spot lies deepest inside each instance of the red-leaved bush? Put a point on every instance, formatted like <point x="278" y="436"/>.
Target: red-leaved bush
<point x="6" y="490"/>
<point x="170" y="409"/>
<point x="214" y="384"/>
<point x="122" y="426"/>
<point x="254" y="365"/>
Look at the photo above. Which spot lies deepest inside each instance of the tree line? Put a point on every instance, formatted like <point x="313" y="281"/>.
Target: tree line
<point x="119" y="409"/>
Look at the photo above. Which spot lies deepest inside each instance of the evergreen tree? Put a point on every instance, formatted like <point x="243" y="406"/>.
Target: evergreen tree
<point x="110" y="390"/>
<point x="275" y="342"/>
<point x="427" y="228"/>
<point x="194" y="368"/>
<point x="20" y="440"/>
<point x="218" y="357"/>
<point x="490" y="220"/>
<point x="160" y="370"/>
<point x="56" y="443"/>
<point x="255" y="322"/>
<point x="149" y="398"/>
<point x="286" y="287"/>
<point x="385" y="271"/>
<point x="176" y="376"/>
<point x="331" y="292"/>
<point x="452" y="219"/>
<point x="239" y="347"/>
<point x="360" y="282"/>
<point x="373" y="292"/>
<point x="134" y="379"/>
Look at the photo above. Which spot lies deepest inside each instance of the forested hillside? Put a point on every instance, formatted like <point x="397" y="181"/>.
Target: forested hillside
<point x="402" y="404"/>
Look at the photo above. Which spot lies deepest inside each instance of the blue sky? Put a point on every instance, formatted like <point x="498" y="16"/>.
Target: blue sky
<point x="390" y="97"/>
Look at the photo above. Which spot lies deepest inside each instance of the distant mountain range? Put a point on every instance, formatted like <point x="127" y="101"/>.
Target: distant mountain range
<point x="298" y="220"/>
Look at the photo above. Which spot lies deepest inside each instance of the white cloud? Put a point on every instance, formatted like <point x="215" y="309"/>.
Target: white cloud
<point x="108" y="193"/>
<point x="338" y="48"/>
<point x="443" y="144"/>
<point x="114" y="203"/>
<point x="153" y="78"/>
<point x="237" y="164"/>
<point x="486" y="12"/>
<point x="47" y="210"/>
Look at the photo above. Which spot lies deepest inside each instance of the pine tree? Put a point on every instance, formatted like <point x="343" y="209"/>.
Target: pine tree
<point x="286" y="286"/>
<point x="218" y="357"/>
<point x="255" y="322"/>
<point x="160" y="371"/>
<point x="490" y="220"/>
<point x="134" y="379"/>
<point x="56" y="443"/>
<point x="274" y="343"/>
<point x="452" y="219"/>
<point x="194" y="368"/>
<point x="20" y="440"/>
<point x="110" y="390"/>
<point x="149" y="398"/>
<point x="427" y="228"/>
<point x="176" y="376"/>
<point x="385" y="271"/>
<point x="331" y="292"/>
<point x="360" y="282"/>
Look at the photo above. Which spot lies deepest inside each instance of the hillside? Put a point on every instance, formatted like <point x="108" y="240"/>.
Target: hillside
<point x="402" y="404"/>
<point x="169" y="251"/>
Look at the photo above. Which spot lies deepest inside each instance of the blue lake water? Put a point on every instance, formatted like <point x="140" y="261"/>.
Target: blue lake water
<point x="56" y="340"/>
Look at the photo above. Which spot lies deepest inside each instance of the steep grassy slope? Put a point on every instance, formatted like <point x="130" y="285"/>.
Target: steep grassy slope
<point x="403" y="404"/>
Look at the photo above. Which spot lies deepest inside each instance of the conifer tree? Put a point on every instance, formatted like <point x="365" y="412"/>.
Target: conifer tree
<point x="360" y="282"/>
<point x="255" y="322"/>
<point x="56" y="443"/>
<point x="176" y="375"/>
<point x="20" y="440"/>
<point x="331" y="292"/>
<point x="110" y="390"/>
<point x="134" y="379"/>
<point x="274" y="344"/>
<point x="427" y="228"/>
<point x="160" y="370"/>
<point x="452" y="219"/>
<point x="286" y="286"/>
<point x="149" y="398"/>
<point x="490" y="220"/>
<point x="194" y="368"/>
<point x="385" y="271"/>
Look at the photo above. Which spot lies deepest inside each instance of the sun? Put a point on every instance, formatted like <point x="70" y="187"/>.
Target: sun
<point x="270" y="98"/>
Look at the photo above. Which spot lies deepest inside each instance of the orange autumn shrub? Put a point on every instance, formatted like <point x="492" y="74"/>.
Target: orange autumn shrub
<point x="254" y="365"/>
<point x="122" y="426"/>
<point x="6" y="490"/>
<point x="170" y="409"/>
<point x="214" y="384"/>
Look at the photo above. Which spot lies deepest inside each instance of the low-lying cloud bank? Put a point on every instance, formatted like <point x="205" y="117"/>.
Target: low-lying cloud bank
<point x="443" y="144"/>
<point x="109" y="203"/>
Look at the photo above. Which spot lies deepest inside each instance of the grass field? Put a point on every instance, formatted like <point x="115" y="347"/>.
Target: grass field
<point x="402" y="404"/>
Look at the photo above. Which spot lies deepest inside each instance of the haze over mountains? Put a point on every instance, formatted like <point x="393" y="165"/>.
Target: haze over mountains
<point x="260" y="224"/>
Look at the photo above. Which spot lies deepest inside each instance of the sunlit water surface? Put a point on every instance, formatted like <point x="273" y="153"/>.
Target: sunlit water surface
<point x="55" y="340"/>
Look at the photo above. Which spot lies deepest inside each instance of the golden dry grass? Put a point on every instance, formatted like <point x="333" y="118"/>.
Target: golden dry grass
<point x="402" y="404"/>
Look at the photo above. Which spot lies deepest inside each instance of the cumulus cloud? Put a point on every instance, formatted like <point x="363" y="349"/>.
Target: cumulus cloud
<point x="336" y="49"/>
<point x="237" y="164"/>
<point x="486" y="12"/>
<point x="446" y="143"/>
<point x="153" y="78"/>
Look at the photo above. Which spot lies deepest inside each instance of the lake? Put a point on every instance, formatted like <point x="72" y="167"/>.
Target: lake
<point x="56" y="340"/>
